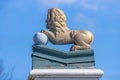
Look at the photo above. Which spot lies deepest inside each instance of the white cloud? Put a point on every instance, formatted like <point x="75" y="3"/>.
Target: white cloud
<point x="80" y="15"/>
<point x="88" y="4"/>
<point x="98" y="5"/>
<point x="94" y="5"/>
<point x="82" y="19"/>
<point x="65" y="1"/>
<point x="16" y="4"/>
<point x="11" y="5"/>
<point x="55" y="3"/>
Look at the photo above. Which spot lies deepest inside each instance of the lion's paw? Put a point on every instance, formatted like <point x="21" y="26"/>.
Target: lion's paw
<point x="42" y="31"/>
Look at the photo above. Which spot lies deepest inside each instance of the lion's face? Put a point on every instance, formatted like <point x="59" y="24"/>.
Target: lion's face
<point x="56" y="20"/>
<point x="50" y="25"/>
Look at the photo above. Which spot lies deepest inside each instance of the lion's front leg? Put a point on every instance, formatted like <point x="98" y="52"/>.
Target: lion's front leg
<point x="50" y="35"/>
<point x="78" y="47"/>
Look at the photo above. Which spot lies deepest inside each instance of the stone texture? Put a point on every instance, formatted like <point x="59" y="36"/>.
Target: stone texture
<point x="59" y="33"/>
<point x="47" y="58"/>
<point x="65" y="74"/>
<point x="40" y="38"/>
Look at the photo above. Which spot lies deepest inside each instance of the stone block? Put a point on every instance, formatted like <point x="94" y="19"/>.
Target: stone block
<point x="47" y="58"/>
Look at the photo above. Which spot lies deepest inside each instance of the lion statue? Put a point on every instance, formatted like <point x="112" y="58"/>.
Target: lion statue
<point x="58" y="32"/>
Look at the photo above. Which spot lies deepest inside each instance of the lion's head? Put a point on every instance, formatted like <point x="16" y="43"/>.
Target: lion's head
<point x="56" y="20"/>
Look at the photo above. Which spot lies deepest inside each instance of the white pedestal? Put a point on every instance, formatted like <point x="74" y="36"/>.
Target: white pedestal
<point x="65" y="74"/>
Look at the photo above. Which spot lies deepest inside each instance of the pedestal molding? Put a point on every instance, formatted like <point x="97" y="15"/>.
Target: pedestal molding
<point x="67" y="72"/>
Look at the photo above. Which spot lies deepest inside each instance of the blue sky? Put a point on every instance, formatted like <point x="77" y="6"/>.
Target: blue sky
<point x="21" y="19"/>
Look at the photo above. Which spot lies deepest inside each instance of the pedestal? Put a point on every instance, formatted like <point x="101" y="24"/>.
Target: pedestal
<point x="52" y="64"/>
<point x="47" y="58"/>
<point x="65" y="74"/>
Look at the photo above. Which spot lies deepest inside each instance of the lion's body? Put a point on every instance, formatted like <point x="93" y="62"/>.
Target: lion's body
<point x="59" y="33"/>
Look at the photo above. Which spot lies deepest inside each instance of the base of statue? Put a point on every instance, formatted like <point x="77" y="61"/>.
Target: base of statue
<point x="52" y="64"/>
<point x="44" y="57"/>
<point x="65" y="74"/>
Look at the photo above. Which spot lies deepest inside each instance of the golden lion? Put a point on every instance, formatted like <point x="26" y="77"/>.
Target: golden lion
<point x="58" y="32"/>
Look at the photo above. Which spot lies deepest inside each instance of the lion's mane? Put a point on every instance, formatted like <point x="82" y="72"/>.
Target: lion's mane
<point x="57" y="20"/>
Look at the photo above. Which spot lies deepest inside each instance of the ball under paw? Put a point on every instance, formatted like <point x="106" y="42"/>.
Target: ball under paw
<point x="40" y="38"/>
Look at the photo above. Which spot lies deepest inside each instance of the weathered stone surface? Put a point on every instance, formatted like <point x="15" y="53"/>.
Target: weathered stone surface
<point x="59" y="33"/>
<point x="65" y="74"/>
<point x="46" y="58"/>
<point x="40" y="38"/>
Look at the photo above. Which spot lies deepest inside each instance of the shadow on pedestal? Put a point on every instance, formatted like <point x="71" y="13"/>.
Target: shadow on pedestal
<point x="47" y="58"/>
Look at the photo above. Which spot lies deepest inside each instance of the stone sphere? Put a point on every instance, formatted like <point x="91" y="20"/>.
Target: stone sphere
<point x="40" y="38"/>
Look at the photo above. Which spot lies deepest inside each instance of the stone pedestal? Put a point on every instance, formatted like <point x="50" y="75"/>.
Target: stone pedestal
<point x="47" y="58"/>
<point x="65" y="74"/>
<point x="52" y="64"/>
